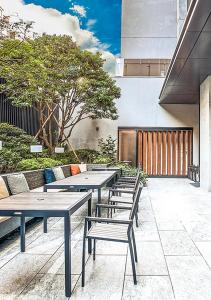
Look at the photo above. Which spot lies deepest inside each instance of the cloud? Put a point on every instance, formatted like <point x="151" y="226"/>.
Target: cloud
<point x="79" y="10"/>
<point x="90" y="23"/>
<point x="52" y="21"/>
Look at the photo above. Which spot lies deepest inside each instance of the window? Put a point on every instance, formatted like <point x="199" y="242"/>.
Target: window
<point x="146" y="67"/>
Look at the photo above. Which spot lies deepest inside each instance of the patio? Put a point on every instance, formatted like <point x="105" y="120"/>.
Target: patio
<point x="174" y="252"/>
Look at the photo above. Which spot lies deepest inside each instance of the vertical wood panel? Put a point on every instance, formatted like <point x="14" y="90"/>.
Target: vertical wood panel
<point x="140" y="152"/>
<point x="154" y="154"/>
<point x="174" y="152"/>
<point x="145" y="151"/>
<point x="179" y="154"/>
<point x="164" y="153"/>
<point x="190" y="139"/>
<point x="169" y="158"/>
<point x="159" y="172"/>
<point x="149" y="153"/>
<point x="184" y="158"/>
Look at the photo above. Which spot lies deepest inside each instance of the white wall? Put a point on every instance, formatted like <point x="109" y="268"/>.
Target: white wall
<point x="139" y="107"/>
<point x="149" y="28"/>
<point x="205" y="134"/>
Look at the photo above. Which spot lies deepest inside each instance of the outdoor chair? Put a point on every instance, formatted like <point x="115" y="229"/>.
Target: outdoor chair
<point x="108" y="229"/>
<point x="128" y="183"/>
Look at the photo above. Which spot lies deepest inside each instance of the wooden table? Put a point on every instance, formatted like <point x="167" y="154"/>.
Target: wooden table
<point x="86" y="180"/>
<point x="48" y="205"/>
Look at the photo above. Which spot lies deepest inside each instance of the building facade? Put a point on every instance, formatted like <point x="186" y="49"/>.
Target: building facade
<point x="164" y="138"/>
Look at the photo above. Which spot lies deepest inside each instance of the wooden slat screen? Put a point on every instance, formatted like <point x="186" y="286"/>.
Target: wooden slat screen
<point x="166" y="152"/>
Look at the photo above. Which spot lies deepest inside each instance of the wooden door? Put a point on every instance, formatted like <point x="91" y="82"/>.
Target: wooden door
<point x="165" y="152"/>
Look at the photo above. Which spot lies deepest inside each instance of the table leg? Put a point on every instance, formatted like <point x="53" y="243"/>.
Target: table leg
<point x="99" y="201"/>
<point x="45" y="224"/>
<point x="89" y="225"/>
<point x="22" y="232"/>
<point x="67" y="255"/>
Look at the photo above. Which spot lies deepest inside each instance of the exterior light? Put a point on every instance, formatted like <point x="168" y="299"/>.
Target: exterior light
<point x="59" y="149"/>
<point x="35" y="149"/>
<point x="119" y="66"/>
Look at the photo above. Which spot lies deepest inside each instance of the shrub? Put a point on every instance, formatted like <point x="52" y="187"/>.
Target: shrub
<point x="108" y="147"/>
<point x="101" y="159"/>
<point x="128" y="170"/>
<point x="39" y="163"/>
<point x="8" y="160"/>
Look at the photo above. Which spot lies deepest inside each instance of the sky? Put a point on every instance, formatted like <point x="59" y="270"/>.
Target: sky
<point x="95" y="25"/>
<point x="102" y="17"/>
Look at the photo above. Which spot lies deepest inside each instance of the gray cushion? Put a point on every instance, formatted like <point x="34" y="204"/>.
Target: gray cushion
<point x="58" y="173"/>
<point x="17" y="183"/>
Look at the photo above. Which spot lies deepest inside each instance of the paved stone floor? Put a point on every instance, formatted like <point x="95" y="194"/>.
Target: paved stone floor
<point x="174" y="253"/>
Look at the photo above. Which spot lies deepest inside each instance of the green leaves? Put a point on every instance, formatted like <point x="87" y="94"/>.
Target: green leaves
<point x="51" y="70"/>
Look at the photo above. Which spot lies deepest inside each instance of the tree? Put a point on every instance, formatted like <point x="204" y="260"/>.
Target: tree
<point x="64" y="83"/>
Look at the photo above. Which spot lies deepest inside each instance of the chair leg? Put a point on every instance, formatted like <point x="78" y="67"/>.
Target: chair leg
<point x="134" y="246"/>
<point x="136" y="216"/>
<point x="94" y="249"/>
<point x="132" y="261"/>
<point x="83" y="261"/>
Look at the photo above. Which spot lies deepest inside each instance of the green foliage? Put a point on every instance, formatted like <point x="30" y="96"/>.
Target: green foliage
<point x="8" y="160"/>
<point x="16" y="146"/>
<point x="128" y="170"/>
<point x="39" y="163"/>
<point x="102" y="159"/>
<point x="52" y="69"/>
<point x="87" y="155"/>
<point x="108" y="147"/>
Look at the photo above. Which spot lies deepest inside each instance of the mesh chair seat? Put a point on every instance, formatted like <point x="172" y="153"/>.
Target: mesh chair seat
<point x="108" y="232"/>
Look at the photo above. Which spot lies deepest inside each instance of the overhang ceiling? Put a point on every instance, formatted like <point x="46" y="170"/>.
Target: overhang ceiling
<point x="191" y="62"/>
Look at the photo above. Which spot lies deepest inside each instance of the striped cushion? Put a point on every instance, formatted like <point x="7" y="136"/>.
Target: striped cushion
<point x="3" y="189"/>
<point x="58" y="173"/>
<point x="17" y="183"/>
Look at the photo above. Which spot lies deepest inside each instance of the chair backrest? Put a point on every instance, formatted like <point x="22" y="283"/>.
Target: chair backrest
<point x="136" y="200"/>
<point x="138" y="177"/>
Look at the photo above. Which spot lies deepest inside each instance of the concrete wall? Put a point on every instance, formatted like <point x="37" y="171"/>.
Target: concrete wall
<point x="149" y="28"/>
<point x="139" y="107"/>
<point x="205" y="134"/>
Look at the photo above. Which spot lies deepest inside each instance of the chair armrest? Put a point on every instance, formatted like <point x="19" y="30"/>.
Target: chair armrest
<point x="121" y="191"/>
<point x="108" y="220"/>
<point x="113" y="206"/>
<point x="123" y="184"/>
<point x="119" y="201"/>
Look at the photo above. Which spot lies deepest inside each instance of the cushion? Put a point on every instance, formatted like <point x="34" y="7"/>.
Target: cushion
<point x="83" y="167"/>
<point x="49" y="175"/>
<point x="74" y="169"/>
<point x="3" y="189"/>
<point x="58" y="173"/>
<point x="17" y="183"/>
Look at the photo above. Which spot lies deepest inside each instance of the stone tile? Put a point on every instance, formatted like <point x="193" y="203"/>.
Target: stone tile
<point x="170" y="225"/>
<point x="146" y="215"/>
<point x="111" y="248"/>
<point x="150" y="260"/>
<point x="47" y="243"/>
<point x="148" y="288"/>
<point x="205" y="250"/>
<point x="17" y="273"/>
<point x="199" y="230"/>
<point x="56" y="263"/>
<point x="190" y="276"/>
<point x="46" y="286"/>
<point x="147" y="231"/>
<point x="104" y="279"/>
<point x="177" y="243"/>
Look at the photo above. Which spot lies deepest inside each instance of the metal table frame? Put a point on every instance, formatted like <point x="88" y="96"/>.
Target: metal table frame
<point x="66" y="214"/>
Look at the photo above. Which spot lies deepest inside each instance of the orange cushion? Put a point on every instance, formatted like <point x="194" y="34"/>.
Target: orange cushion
<point x="74" y="169"/>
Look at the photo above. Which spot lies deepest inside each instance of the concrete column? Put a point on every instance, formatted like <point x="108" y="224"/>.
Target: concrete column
<point x="205" y="134"/>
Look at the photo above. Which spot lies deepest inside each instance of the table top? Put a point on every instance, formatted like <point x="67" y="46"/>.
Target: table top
<point x="86" y="179"/>
<point x="43" y="201"/>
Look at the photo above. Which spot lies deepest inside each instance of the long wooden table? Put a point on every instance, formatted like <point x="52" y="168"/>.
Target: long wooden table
<point x="89" y="180"/>
<point x="48" y="205"/>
